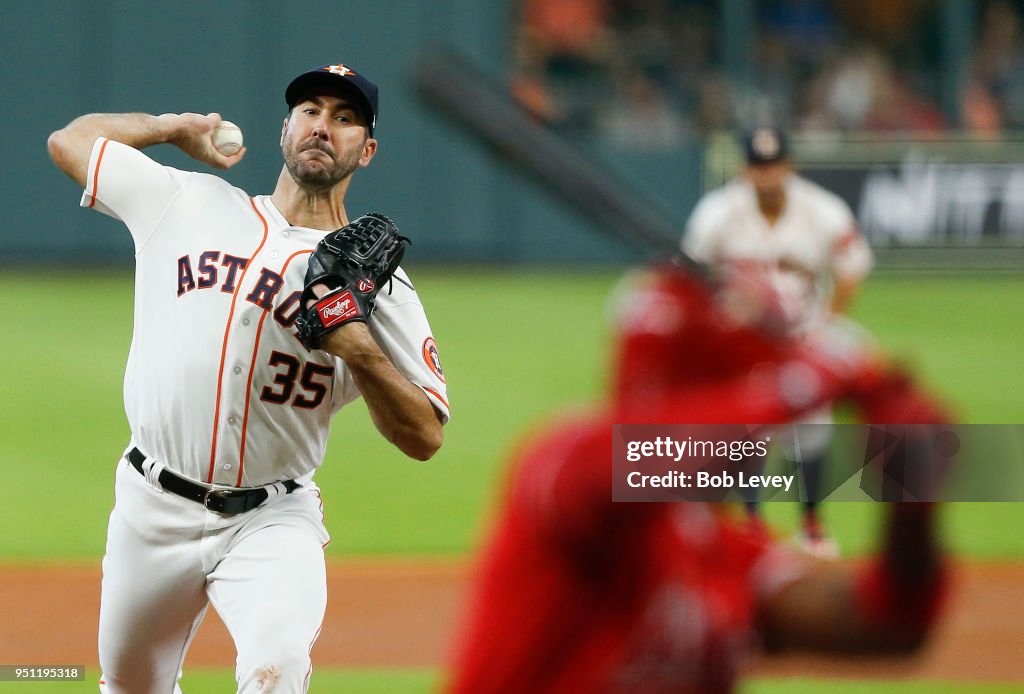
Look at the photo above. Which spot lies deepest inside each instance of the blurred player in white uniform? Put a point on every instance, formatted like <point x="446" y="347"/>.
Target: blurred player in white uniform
<point x="801" y="241"/>
<point x="229" y="412"/>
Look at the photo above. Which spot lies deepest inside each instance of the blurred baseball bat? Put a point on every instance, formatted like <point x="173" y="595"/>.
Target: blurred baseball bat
<point x="486" y="108"/>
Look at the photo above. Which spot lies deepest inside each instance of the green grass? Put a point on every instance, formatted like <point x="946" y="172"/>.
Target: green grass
<point x="397" y="681"/>
<point x="325" y="680"/>
<point x="515" y="346"/>
<point x="218" y="681"/>
<point x="963" y="333"/>
<point x="811" y="686"/>
<point x="970" y="529"/>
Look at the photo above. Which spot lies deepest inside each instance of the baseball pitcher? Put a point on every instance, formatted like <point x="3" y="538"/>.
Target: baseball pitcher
<point x="256" y="319"/>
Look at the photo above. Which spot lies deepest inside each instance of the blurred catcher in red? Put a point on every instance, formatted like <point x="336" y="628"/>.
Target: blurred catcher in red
<point x="579" y="594"/>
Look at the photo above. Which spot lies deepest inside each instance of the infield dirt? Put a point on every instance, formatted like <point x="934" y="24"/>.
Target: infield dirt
<point x="404" y="613"/>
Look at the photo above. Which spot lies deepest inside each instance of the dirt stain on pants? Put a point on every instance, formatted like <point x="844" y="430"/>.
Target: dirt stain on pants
<point x="268" y="677"/>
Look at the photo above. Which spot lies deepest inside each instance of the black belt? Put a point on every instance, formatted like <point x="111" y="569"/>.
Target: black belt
<point x="226" y="501"/>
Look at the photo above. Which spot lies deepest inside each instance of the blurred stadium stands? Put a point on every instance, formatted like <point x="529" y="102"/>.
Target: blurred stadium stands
<point x="912" y="110"/>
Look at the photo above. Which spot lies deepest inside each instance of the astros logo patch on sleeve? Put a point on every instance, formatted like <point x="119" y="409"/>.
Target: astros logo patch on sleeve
<point x="432" y="359"/>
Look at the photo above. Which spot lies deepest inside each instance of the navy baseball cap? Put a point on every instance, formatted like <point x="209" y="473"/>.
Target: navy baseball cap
<point x="337" y="76"/>
<point x="765" y="145"/>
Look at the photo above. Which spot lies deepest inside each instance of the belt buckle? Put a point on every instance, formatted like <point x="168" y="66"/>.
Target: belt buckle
<point x="211" y="496"/>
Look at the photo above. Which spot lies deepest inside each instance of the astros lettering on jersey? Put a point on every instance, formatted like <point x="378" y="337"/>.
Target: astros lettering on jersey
<point x="208" y="254"/>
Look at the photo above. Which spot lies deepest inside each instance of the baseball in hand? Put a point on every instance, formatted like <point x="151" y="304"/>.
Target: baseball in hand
<point x="227" y="138"/>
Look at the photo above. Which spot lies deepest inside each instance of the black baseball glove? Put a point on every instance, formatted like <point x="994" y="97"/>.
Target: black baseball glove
<point x="353" y="263"/>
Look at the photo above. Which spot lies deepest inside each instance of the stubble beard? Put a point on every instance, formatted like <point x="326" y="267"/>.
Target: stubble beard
<point x="313" y="173"/>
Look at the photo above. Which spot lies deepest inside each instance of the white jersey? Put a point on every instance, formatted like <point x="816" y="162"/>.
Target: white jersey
<point x="814" y="243"/>
<point x="218" y="387"/>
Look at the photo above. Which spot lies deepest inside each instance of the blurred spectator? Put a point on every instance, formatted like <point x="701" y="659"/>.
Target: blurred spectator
<point x="572" y="54"/>
<point x="776" y="84"/>
<point x="842" y="94"/>
<point x="692" y="47"/>
<point x="562" y="61"/>
<point x="811" y="23"/>
<point x="993" y="97"/>
<point x="640" y="116"/>
<point x="862" y="91"/>
<point x="714" y="108"/>
<point x="893" y="26"/>
<point x="981" y="112"/>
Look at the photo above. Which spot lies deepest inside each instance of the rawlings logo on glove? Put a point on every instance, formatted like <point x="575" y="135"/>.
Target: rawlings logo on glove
<point x="335" y="310"/>
<point x="352" y="263"/>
